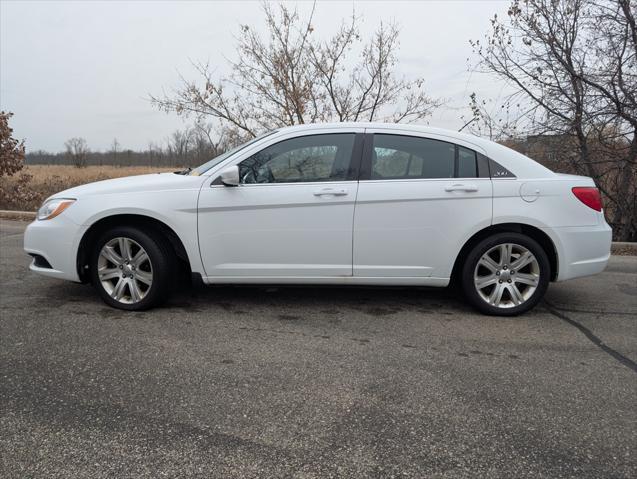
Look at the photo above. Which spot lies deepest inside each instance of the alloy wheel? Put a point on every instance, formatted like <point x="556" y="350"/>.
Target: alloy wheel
<point x="125" y="270"/>
<point x="507" y="275"/>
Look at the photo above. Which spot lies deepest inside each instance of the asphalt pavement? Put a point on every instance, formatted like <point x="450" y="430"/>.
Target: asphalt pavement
<point x="315" y="382"/>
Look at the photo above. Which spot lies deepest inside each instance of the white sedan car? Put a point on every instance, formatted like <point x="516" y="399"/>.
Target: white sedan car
<point x="349" y="204"/>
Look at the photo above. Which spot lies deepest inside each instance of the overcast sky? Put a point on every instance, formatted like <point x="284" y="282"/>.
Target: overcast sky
<point x="72" y="68"/>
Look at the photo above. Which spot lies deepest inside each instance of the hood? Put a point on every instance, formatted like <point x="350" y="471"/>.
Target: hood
<point x="128" y="184"/>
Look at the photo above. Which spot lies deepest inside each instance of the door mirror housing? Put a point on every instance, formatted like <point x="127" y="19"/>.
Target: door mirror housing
<point x="230" y="176"/>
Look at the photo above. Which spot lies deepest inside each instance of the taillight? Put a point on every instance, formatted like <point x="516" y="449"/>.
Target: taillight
<point x="589" y="195"/>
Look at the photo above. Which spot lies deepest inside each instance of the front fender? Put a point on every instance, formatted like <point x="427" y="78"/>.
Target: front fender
<point x="175" y="210"/>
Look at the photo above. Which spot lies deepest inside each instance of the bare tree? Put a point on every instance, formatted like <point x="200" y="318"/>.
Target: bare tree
<point x="291" y="77"/>
<point x="178" y="146"/>
<point x="489" y="119"/>
<point x="115" y="149"/>
<point x="573" y="67"/>
<point x="77" y="151"/>
<point x="154" y="153"/>
<point x="205" y="144"/>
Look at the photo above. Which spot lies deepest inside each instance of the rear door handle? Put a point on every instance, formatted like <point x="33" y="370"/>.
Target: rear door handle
<point x="462" y="187"/>
<point x="330" y="192"/>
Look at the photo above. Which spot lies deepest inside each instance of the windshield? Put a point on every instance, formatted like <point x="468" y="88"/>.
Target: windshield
<point x="218" y="159"/>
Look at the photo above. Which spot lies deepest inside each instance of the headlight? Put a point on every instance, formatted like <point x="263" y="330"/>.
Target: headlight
<point x="52" y="208"/>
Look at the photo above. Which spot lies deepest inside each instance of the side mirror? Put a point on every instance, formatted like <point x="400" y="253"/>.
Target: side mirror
<point x="230" y="176"/>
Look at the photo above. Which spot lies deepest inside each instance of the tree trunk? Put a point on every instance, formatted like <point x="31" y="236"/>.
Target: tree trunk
<point x="625" y="214"/>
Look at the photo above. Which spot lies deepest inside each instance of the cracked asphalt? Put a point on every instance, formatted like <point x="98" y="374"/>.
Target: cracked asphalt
<point x="315" y="382"/>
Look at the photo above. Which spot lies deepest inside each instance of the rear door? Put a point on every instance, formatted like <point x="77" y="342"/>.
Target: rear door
<point x="419" y="199"/>
<point x="291" y="215"/>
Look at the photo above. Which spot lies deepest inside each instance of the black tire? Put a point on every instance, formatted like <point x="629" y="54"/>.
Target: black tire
<point x="471" y="291"/>
<point x="162" y="258"/>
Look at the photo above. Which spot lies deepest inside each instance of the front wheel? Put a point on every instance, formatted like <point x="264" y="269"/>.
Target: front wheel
<point x="506" y="274"/>
<point x="131" y="268"/>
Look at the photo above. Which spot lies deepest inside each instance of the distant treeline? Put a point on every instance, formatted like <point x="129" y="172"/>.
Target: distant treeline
<point x="159" y="158"/>
<point x="189" y="147"/>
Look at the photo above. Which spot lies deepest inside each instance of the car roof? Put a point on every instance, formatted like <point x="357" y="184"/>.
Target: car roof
<point x="391" y="126"/>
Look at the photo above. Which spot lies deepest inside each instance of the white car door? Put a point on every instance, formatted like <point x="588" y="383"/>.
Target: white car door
<point x="290" y="216"/>
<point x="419" y="199"/>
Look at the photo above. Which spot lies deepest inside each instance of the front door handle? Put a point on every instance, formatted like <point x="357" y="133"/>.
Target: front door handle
<point x="462" y="187"/>
<point x="330" y="192"/>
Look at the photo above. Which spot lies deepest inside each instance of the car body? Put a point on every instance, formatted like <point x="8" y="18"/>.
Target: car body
<point x="347" y="203"/>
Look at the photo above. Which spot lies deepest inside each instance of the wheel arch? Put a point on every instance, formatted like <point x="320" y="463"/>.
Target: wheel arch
<point x="533" y="232"/>
<point x="147" y="223"/>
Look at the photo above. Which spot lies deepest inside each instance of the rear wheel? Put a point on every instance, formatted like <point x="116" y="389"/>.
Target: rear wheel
<point x="131" y="268"/>
<point x="506" y="274"/>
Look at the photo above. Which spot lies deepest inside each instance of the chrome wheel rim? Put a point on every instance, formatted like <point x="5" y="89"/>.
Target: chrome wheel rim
<point x="125" y="270"/>
<point x="507" y="275"/>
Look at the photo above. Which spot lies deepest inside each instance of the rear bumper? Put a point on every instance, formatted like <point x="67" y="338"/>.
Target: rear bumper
<point x="581" y="250"/>
<point x="57" y="241"/>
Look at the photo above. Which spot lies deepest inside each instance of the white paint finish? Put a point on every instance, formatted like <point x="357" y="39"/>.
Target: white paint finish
<point x="277" y="229"/>
<point x="57" y="241"/>
<point x="166" y="197"/>
<point x="331" y="280"/>
<point x="416" y="227"/>
<point x="582" y="250"/>
<point x="398" y="231"/>
<point x="531" y="190"/>
<point x="555" y="205"/>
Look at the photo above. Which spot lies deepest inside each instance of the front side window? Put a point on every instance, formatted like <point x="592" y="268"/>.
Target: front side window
<point x="407" y="157"/>
<point x="304" y="159"/>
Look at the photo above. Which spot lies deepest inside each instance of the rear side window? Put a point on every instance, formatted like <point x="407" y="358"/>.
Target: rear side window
<point x="408" y="157"/>
<point x="467" y="163"/>
<point x="403" y="157"/>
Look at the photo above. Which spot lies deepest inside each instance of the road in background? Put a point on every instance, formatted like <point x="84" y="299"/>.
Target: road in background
<point x="315" y="382"/>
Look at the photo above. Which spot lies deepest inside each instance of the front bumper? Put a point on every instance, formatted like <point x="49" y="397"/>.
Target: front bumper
<point x="581" y="250"/>
<point x="57" y="241"/>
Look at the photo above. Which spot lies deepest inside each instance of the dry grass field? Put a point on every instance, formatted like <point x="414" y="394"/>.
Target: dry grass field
<point x="77" y="176"/>
<point x="46" y="180"/>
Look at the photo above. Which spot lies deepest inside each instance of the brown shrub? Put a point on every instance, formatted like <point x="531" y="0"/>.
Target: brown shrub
<point x="25" y="192"/>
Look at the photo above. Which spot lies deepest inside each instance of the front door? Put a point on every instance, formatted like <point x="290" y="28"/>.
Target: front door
<point x="291" y="216"/>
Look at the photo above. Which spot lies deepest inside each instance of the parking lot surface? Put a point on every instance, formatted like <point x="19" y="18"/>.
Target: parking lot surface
<point x="315" y="382"/>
